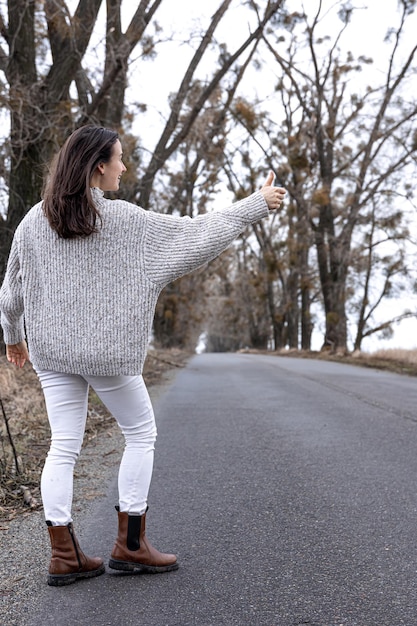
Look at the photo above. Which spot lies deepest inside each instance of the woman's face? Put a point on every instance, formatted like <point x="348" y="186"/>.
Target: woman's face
<point x="111" y="172"/>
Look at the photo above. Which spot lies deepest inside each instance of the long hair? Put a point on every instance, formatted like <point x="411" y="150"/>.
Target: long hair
<point x="67" y="199"/>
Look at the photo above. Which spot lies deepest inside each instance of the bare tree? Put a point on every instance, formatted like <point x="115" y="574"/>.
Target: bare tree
<point x="345" y="145"/>
<point x="284" y="243"/>
<point x="379" y="271"/>
<point x="236" y="314"/>
<point x="177" y="127"/>
<point x="37" y="81"/>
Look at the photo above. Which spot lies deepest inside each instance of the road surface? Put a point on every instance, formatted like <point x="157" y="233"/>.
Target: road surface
<point x="287" y="488"/>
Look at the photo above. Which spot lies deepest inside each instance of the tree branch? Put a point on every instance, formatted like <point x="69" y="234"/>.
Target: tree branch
<point x="117" y="56"/>
<point x="168" y="143"/>
<point x="71" y="48"/>
<point x="3" y="29"/>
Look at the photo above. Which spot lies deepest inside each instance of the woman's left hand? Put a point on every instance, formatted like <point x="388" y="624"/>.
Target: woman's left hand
<point x="17" y="353"/>
<point x="273" y="196"/>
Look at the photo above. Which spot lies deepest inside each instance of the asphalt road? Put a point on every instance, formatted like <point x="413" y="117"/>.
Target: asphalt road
<point x="287" y="488"/>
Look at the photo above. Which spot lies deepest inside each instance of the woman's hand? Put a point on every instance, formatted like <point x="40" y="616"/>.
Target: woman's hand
<point x="273" y="195"/>
<point x="17" y="353"/>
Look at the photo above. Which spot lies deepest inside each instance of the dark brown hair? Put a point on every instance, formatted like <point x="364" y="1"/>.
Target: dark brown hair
<point x="67" y="199"/>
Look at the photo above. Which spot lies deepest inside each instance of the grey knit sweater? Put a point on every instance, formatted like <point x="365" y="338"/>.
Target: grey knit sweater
<point x="86" y="305"/>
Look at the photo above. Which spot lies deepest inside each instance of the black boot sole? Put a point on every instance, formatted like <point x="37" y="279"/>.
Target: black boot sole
<point x="134" y="568"/>
<point x="59" y="580"/>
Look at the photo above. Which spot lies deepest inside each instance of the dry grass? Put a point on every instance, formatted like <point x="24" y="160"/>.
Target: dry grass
<point x="398" y="355"/>
<point x="25" y="434"/>
<point x="394" y="360"/>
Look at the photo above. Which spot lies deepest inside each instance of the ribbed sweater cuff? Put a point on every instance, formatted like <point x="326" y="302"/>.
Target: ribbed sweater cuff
<point x="13" y="335"/>
<point x="256" y="207"/>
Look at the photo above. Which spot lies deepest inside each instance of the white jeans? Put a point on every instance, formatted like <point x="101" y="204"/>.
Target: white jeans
<point x="127" y="398"/>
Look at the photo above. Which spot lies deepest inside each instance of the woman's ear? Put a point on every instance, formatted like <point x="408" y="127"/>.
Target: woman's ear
<point x="100" y="168"/>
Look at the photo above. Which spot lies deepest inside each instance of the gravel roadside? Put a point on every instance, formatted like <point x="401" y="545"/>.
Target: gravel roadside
<point x="24" y="543"/>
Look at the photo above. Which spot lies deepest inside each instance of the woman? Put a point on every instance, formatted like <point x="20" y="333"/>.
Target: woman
<point x="82" y="282"/>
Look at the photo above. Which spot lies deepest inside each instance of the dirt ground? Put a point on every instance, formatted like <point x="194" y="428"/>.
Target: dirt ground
<point x="24" y="429"/>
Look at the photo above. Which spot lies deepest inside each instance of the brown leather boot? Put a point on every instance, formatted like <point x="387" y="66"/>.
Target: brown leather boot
<point x="68" y="562"/>
<point x="133" y="552"/>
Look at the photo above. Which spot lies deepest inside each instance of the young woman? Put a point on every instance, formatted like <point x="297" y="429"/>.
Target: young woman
<point x="81" y="286"/>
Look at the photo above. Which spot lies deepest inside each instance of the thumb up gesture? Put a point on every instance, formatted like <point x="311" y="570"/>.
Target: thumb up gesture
<point x="273" y="195"/>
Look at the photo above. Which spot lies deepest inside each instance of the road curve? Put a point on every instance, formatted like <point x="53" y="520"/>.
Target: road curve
<point x="287" y="488"/>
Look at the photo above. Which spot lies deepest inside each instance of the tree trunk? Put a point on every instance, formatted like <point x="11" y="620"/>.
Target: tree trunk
<point x="292" y="309"/>
<point x="41" y="109"/>
<point x="333" y="281"/>
<point x="21" y="74"/>
<point x="306" y="325"/>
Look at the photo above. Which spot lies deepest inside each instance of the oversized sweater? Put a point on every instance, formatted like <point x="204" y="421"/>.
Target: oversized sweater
<point x="86" y="305"/>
